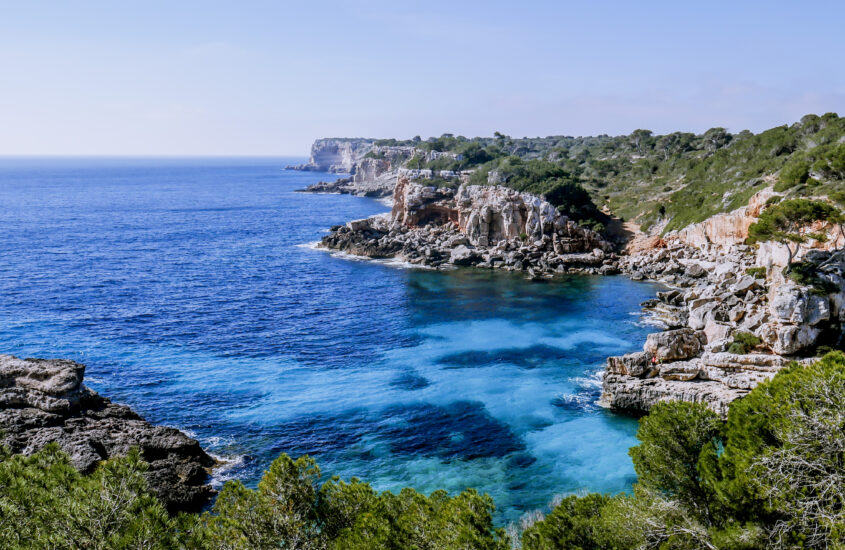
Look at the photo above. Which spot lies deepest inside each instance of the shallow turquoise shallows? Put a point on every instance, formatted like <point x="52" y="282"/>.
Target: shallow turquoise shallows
<point x="190" y="291"/>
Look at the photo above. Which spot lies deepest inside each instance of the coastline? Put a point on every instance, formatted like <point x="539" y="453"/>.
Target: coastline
<point x="711" y="295"/>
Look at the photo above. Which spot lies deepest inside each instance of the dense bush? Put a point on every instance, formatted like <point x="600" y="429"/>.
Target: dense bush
<point x="46" y="503"/>
<point x="743" y="343"/>
<point x="773" y="476"/>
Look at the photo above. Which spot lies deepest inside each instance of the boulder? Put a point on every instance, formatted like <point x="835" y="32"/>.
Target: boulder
<point x="462" y="255"/>
<point x="680" y="370"/>
<point x="672" y="345"/>
<point x="695" y="270"/>
<point x="742" y="286"/>
<point x="714" y="331"/>
<point x="632" y="364"/>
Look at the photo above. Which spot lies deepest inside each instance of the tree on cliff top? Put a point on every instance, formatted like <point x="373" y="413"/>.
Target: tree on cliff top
<point x="790" y="223"/>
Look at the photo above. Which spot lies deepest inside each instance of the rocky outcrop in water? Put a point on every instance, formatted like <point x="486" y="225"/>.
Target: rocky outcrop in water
<point x="44" y="401"/>
<point x="482" y="226"/>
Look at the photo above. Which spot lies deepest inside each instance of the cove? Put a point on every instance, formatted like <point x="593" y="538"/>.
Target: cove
<point x="185" y="286"/>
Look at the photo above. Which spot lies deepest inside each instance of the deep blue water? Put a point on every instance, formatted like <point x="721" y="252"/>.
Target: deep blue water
<point x="185" y="287"/>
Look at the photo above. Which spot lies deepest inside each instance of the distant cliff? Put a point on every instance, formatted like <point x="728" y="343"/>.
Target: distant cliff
<point x="374" y="170"/>
<point x="336" y="155"/>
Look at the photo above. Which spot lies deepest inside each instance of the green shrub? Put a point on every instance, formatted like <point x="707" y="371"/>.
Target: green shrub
<point x="46" y="503"/>
<point x="792" y="174"/>
<point x="807" y="274"/>
<point x="573" y="524"/>
<point x="743" y="342"/>
<point x="756" y="272"/>
<point x="783" y="448"/>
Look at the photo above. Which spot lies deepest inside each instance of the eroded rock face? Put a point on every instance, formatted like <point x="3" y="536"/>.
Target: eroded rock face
<point x="673" y="345"/>
<point x="374" y="171"/>
<point x="716" y="298"/>
<point x="482" y="226"/>
<point x="44" y="401"/>
<point x="726" y="229"/>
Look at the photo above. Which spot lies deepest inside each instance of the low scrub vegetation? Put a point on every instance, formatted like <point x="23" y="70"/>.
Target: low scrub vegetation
<point x="674" y="179"/>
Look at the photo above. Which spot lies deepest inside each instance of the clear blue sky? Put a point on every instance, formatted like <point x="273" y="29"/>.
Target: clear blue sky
<point x="267" y="78"/>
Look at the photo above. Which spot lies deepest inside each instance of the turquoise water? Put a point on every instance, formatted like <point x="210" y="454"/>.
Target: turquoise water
<point x="188" y="289"/>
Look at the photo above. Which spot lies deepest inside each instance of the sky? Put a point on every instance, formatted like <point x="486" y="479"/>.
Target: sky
<point x="267" y="78"/>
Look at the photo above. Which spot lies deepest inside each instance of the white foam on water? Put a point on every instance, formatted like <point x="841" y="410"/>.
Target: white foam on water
<point x="390" y="262"/>
<point x="228" y="469"/>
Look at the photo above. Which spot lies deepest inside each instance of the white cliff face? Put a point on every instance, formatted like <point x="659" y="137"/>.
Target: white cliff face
<point x="724" y="230"/>
<point x="488" y="214"/>
<point x="338" y="156"/>
<point x="335" y="155"/>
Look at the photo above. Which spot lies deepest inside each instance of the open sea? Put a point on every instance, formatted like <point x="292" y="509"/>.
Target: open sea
<point x="189" y="288"/>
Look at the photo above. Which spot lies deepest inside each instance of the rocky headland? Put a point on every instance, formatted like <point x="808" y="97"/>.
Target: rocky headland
<point x="44" y="401"/>
<point x="483" y="226"/>
<point x="719" y="290"/>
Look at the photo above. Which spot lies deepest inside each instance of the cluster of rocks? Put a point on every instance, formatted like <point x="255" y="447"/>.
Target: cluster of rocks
<point x="44" y="401"/>
<point x="720" y="292"/>
<point x="481" y="226"/>
<point x="381" y="187"/>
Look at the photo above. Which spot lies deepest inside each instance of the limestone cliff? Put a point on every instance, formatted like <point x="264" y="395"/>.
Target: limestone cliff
<point x="336" y="155"/>
<point x="717" y="296"/>
<point x="374" y="169"/>
<point x="725" y="230"/>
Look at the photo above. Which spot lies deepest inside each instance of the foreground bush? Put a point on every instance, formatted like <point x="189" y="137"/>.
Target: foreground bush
<point x="46" y="503"/>
<point x="290" y="510"/>
<point x="773" y="476"/>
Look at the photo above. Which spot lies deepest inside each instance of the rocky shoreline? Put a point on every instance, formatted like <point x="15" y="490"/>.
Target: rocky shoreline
<point x="481" y="226"/>
<point x="719" y="290"/>
<point x="44" y="401"/>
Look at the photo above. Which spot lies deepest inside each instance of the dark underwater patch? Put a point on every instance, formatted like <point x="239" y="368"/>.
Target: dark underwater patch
<point x="462" y="429"/>
<point x="409" y="381"/>
<point x="527" y="358"/>
<point x="317" y="434"/>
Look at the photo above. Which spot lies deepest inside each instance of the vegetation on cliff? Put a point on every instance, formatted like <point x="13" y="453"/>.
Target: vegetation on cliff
<point x="773" y="476"/>
<point x="790" y="223"/>
<point x="678" y="178"/>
